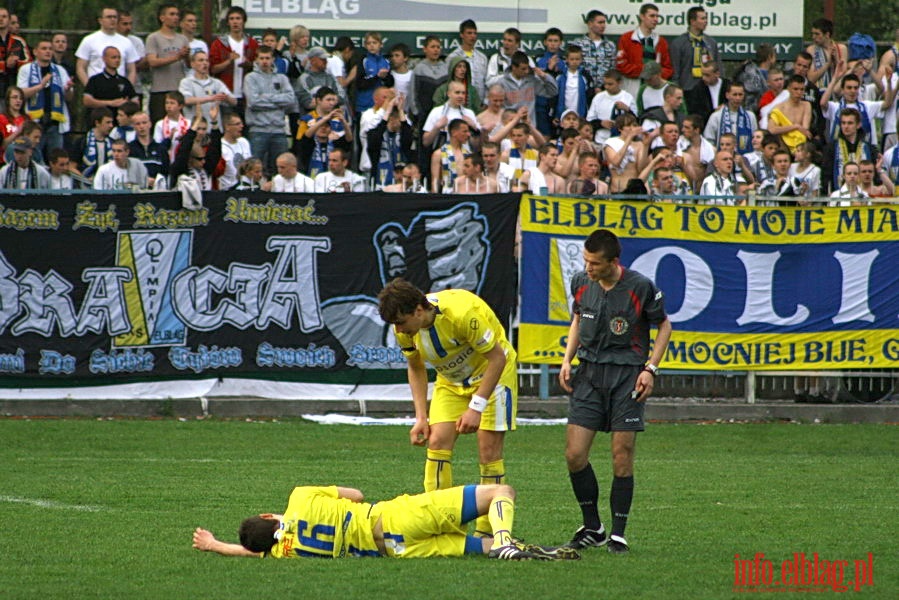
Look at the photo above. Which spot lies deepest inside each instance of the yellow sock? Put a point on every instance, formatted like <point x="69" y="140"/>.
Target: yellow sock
<point x="491" y="473"/>
<point x="438" y="470"/>
<point x="501" y="515"/>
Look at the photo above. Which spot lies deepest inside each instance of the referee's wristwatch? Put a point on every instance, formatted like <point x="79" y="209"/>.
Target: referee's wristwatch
<point x="653" y="370"/>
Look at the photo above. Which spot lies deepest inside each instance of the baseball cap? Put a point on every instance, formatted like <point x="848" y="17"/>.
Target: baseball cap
<point x="318" y="52"/>
<point x="650" y="68"/>
<point x="22" y="144"/>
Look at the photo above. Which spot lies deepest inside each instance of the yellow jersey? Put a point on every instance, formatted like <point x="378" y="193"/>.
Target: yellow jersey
<point x="465" y="328"/>
<point x="317" y="523"/>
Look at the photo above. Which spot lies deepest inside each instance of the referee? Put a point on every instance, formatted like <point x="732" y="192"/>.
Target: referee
<point x="613" y="310"/>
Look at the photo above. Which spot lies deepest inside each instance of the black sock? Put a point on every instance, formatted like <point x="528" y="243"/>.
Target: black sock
<point x="620" y="502"/>
<point x="586" y="490"/>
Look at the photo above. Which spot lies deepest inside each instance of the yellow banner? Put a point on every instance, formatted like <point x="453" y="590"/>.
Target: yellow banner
<point x="761" y="225"/>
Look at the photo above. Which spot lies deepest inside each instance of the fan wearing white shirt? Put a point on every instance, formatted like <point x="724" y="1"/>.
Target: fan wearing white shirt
<point x="338" y="179"/>
<point x="289" y="180"/>
<point x="121" y="172"/>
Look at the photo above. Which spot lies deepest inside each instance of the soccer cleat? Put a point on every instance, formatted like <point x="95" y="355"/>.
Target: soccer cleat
<point x="588" y="538"/>
<point x="513" y="552"/>
<point x="618" y="545"/>
<point x="552" y="552"/>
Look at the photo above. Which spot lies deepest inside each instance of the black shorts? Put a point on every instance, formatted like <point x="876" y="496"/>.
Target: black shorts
<point x="603" y="399"/>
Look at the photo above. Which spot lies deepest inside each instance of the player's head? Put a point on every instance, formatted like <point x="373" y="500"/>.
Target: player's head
<point x="603" y="241"/>
<point x="601" y="252"/>
<point x="399" y="303"/>
<point x="258" y="534"/>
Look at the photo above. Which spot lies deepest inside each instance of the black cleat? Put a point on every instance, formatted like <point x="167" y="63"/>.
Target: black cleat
<point x="552" y="552"/>
<point x="588" y="538"/>
<point x="513" y="552"/>
<point x="618" y="545"/>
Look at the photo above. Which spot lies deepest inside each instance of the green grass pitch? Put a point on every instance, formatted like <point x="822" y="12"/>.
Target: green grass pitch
<point x="105" y="508"/>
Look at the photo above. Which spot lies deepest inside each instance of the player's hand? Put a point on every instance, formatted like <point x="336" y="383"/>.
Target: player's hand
<point x="469" y="422"/>
<point x="565" y="377"/>
<point x="645" y="382"/>
<point x="203" y="539"/>
<point x="419" y="433"/>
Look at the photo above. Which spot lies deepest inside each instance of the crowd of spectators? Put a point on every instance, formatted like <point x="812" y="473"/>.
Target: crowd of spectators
<point x="588" y="115"/>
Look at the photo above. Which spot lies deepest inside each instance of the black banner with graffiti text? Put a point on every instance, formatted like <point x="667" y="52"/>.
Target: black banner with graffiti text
<point x="118" y="288"/>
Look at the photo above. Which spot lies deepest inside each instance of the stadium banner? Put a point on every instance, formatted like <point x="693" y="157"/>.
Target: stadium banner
<point x="746" y="288"/>
<point x="117" y="288"/>
<point x="737" y="25"/>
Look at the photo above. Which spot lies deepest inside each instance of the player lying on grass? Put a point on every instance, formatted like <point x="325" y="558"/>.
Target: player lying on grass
<point x="335" y="522"/>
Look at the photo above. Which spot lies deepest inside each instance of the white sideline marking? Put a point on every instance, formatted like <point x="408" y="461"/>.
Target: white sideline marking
<point x="50" y="504"/>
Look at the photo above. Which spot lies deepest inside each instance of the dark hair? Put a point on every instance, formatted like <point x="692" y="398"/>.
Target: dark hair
<point x="432" y="38"/>
<point x="823" y="25"/>
<point x="476" y="159"/>
<point x="130" y="107"/>
<point x="257" y="534"/>
<point x="520" y="58"/>
<point x="553" y="31"/>
<point x="401" y="47"/>
<point x="120" y="142"/>
<point x="693" y="12"/>
<point x="605" y="242"/>
<point x="648" y="7"/>
<point x="523" y="127"/>
<point x="567" y="134"/>
<point x="55" y="154"/>
<point x="697" y="121"/>
<point x="796" y="79"/>
<point x="29" y="126"/>
<point x="573" y="49"/>
<point x="236" y="10"/>
<point x="265" y="50"/>
<point x="545" y="148"/>
<point x="343" y="43"/>
<point x="268" y="32"/>
<point x="625" y="120"/>
<point x="770" y="138"/>
<point x="324" y="91"/>
<point x="515" y="33"/>
<point x="614" y="74"/>
<point x="592" y="15"/>
<point x="851" y="112"/>
<point x="805" y="55"/>
<point x="732" y="84"/>
<point x="176" y="96"/>
<point x="763" y="52"/>
<point x="98" y="114"/>
<point x="162" y="8"/>
<point x="467" y="24"/>
<point x="456" y="124"/>
<point x="850" y="77"/>
<point x="399" y="297"/>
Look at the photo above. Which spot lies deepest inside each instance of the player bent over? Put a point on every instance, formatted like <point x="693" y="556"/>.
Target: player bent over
<point x="335" y="522"/>
<point x="477" y="381"/>
<point x="612" y="312"/>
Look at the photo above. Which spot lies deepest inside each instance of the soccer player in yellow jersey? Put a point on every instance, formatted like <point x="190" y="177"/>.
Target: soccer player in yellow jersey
<point x="335" y="522"/>
<point x="477" y="382"/>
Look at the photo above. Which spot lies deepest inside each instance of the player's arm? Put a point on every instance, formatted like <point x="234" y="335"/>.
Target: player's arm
<point x="418" y="382"/>
<point x="206" y="542"/>
<point x="350" y="494"/>
<point x="470" y="421"/>
<point x="646" y="380"/>
<point x="570" y="349"/>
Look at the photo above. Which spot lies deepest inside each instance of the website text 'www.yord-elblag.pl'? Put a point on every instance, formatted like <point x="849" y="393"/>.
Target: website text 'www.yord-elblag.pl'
<point x="802" y="573"/>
